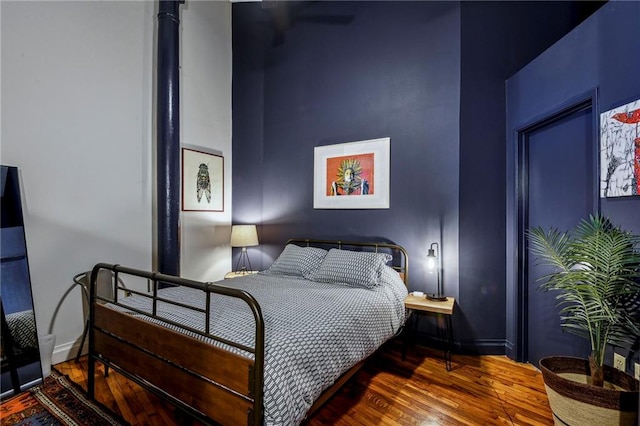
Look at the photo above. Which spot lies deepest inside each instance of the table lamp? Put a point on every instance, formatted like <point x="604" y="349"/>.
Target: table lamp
<point x="434" y="263"/>
<point x="243" y="236"/>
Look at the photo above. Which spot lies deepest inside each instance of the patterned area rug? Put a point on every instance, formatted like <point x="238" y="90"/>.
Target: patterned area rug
<point x="58" y="401"/>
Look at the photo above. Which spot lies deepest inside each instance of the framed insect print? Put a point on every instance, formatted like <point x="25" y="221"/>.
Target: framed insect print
<point x="202" y="181"/>
<point x="353" y="175"/>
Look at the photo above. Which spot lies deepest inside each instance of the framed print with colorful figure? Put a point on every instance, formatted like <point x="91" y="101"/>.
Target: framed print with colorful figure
<point x="202" y="181"/>
<point x="620" y="151"/>
<point x="353" y="175"/>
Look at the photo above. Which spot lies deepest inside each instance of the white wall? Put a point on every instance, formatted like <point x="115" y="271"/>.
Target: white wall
<point x="205" y="118"/>
<point x="78" y="83"/>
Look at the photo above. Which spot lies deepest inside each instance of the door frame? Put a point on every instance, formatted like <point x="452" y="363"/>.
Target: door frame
<point x="517" y="214"/>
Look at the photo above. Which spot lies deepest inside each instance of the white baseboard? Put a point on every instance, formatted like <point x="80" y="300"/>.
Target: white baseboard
<point x="66" y="352"/>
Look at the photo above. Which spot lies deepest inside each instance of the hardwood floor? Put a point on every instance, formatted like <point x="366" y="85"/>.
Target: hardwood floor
<point x="480" y="390"/>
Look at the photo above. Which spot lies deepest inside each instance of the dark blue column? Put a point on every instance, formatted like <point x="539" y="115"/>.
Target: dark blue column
<point x="168" y="138"/>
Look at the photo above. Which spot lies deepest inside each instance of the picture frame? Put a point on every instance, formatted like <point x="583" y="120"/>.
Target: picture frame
<point x="202" y="181"/>
<point x="620" y="151"/>
<point x="352" y="175"/>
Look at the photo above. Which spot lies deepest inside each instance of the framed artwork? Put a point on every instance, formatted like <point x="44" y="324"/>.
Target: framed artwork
<point x="353" y="175"/>
<point x="620" y="151"/>
<point x="202" y="181"/>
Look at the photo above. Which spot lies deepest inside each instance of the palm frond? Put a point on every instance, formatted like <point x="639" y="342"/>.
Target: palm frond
<point x="596" y="274"/>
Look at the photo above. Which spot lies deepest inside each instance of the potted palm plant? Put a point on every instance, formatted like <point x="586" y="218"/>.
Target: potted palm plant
<point x="596" y="274"/>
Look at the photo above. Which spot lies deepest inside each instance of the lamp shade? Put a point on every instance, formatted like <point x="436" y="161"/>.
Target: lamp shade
<point x="244" y="236"/>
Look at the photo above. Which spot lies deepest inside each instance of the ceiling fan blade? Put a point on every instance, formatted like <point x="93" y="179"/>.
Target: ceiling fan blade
<point x="284" y="15"/>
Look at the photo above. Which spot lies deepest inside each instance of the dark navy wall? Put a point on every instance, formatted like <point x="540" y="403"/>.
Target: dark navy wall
<point x="602" y="54"/>
<point x="429" y="75"/>
<point x="498" y="38"/>
<point x="249" y="39"/>
<point x="391" y="71"/>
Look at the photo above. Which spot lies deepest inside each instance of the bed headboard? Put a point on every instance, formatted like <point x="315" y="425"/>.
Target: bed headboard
<point x="400" y="261"/>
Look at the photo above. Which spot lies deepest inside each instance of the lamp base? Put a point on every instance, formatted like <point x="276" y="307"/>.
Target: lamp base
<point x="243" y="261"/>
<point x="436" y="297"/>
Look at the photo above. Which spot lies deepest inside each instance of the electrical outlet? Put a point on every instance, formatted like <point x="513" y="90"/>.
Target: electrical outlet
<point x="619" y="361"/>
<point x="636" y="371"/>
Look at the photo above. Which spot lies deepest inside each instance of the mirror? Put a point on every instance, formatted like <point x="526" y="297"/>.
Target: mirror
<point x="21" y="368"/>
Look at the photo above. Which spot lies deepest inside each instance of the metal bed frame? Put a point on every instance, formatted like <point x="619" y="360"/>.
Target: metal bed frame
<point x="208" y="383"/>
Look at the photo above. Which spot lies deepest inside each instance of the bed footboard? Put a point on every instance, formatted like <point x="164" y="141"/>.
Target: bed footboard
<point x="212" y="384"/>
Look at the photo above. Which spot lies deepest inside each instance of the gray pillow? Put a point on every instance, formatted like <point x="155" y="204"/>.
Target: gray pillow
<point x="297" y="261"/>
<point x="354" y="268"/>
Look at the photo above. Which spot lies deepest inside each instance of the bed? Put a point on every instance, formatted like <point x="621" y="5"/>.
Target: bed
<point x="22" y="327"/>
<point x="266" y="348"/>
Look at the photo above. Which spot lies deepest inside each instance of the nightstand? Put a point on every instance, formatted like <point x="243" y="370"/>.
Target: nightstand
<point x="443" y="310"/>
<point x="234" y="274"/>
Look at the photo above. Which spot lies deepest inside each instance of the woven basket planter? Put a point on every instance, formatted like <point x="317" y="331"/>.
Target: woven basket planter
<point x="575" y="402"/>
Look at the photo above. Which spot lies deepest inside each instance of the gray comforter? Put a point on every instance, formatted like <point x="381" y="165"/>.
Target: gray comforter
<point x="314" y="331"/>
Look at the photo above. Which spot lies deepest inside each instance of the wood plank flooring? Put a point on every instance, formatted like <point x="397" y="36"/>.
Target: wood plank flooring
<point x="480" y="390"/>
